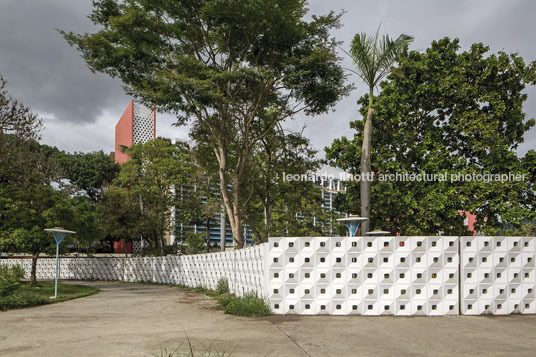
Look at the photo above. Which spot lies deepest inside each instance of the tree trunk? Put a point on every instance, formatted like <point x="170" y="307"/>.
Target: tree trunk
<point x="267" y="219"/>
<point x="33" y="274"/>
<point x="366" y="170"/>
<point x="237" y="229"/>
<point x="230" y="207"/>
<point x="257" y="237"/>
<point x="223" y="232"/>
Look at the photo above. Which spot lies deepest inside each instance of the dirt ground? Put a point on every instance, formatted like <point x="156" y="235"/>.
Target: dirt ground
<point x="126" y="319"/>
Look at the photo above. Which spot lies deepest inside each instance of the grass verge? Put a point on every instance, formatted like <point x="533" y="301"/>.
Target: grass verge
<point x="249" y="305"/>
<point x="25" y="296"/>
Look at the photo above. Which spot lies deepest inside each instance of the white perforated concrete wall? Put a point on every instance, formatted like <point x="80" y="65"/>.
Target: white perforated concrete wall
<point x="400" y="276"/>
<point x="244" y="269"/>
<point x="498" y="275"/>
<point x="364" y="275"/>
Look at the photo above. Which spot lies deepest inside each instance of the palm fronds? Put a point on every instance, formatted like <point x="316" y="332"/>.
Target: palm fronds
<point x="373" y="56"/>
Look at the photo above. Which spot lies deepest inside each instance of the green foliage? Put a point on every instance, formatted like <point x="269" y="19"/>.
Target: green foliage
<point x="31" y="194"/>
<point x="90" y="172"/>
<point x="194" y="243"/>
<point x="15" y="118"/>
<point x="150" y="175"/>
<point x="26" y="295"/>
<point x="199" y="203"/>
<point x="223" y="286"/>
<point x="202" y="290"/>
<point x="26" y="213"/>
<point x="10" y="279"/>
<point x="158" y="251"/>
<point x="215" y="62"/>
<point x="374" y="56"/>
<point x="445" y="111"/>
<point x="275" y="202"/>
<point x="86" y="220"/>
<point x="249" y="305"/>
<point x="119" y="213"/>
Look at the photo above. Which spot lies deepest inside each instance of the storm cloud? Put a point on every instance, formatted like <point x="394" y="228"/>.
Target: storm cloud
<point x="81" y="108"/>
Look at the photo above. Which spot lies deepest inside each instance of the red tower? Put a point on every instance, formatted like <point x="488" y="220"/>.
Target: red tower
<point x="137" y="124"/>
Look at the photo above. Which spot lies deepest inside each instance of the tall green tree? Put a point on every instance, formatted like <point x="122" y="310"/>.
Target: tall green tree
<point x="19" y="130"/>
<point x="87" y="222"/>
<point x="373" y="58"/>
<point x="119" y="214"/>
<point x="151" y="174"/>
<point x="89" y="172"/>
<point x="16" y="118"/>
<point x="26" y="213"/>
<point x="30" y="199"/>
<point x="446" y="111"/>
<point x="236" y="67"/>
<point x="277" y="157"/>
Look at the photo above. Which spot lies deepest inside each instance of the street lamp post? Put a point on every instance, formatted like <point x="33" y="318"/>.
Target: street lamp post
<point x="352" y="223"/>
<point x="59" y="234"/>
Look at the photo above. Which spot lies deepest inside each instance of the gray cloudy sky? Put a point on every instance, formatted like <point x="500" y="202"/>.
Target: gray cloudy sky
<point x="81" y="108"/>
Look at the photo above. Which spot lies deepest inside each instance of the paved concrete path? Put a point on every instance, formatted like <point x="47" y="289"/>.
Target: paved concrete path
<point x="140" y="320"/>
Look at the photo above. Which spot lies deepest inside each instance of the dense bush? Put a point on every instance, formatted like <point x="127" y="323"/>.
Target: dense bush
<point x="10" y="279"/>
<point x="223" y="286"/>
<point x="249" y="305"/>
<point x="158" y="251"/>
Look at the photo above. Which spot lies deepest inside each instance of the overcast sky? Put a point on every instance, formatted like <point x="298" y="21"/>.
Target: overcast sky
<point x="81" y="108"/>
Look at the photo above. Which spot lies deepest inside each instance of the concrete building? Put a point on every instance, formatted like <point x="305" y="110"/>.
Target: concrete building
<point x="136" y="125"/>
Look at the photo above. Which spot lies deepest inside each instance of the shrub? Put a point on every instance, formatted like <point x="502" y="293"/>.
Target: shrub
<point x="9" y="279"/>
<point x="223" y="286"/>
<point x="249" y="305"/>
<point x="17" y="271"/>
<point x="157" y="251"/>
<point x="224" y="301"/>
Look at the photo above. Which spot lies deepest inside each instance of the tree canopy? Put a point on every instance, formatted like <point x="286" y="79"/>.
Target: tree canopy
<point x="151" y="175"/>
<point x="15" y="117"/>
<point x="446" y="111"/>
<point x="236" y="67"/>
<point x="89" y="172"/>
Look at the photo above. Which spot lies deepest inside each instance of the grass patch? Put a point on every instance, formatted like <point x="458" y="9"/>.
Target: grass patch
<point x="249" y="305"/>
<point x="25" y="296"/>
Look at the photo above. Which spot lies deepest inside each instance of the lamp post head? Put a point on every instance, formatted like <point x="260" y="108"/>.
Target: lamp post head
<point x="59" y="230"/>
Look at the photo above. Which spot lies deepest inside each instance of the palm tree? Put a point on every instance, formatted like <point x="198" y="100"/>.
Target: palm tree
<point x="373" y="58"/>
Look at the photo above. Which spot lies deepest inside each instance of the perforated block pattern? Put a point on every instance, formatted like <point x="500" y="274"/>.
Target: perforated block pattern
<point x="364" y="275"/>
<point x="498" y="275"/>
<point x="340" y="276"/>
<point x="244" y="269"/>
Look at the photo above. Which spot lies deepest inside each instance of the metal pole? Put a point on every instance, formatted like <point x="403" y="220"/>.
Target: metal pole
<point x="57" y="266"/>
<point x="59" y="233"/>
